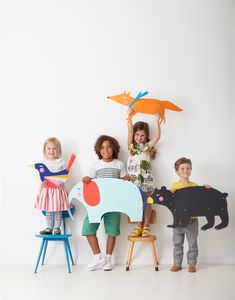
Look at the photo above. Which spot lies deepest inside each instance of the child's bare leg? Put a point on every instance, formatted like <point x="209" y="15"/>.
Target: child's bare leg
<point x="110" y="244"/>
<point x="147" y="214"/>
<point x="94" y="244"/>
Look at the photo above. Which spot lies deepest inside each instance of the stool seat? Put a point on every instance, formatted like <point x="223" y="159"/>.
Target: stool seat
<point x="148" y="239"/>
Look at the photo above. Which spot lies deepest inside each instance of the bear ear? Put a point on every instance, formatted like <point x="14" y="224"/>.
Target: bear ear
<point x="225" y="195"/>
<point x="91" y="193"/>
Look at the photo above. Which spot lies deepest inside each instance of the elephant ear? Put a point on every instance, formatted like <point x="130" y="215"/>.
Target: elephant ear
<point x="91" y="193"/>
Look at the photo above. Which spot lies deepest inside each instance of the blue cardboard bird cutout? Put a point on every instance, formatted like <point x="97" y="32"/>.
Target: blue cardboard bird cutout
<point x="54" y="180"/>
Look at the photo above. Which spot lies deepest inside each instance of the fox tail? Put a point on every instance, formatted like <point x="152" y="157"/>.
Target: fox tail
<point x="71" y="161"/>
<point x="171" y="106"/>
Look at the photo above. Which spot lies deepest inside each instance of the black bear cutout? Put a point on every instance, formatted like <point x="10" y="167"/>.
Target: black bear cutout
<point x="193" y="201"/>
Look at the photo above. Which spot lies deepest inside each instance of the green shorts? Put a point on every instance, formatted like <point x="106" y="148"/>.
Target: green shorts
<point x="111" y="225"/>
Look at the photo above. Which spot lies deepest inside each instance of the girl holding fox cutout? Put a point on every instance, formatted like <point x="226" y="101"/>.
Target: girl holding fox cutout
<point x="142" y="151"/>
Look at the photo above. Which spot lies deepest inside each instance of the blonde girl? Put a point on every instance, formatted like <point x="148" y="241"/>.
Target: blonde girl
<point x="52" y="200"/>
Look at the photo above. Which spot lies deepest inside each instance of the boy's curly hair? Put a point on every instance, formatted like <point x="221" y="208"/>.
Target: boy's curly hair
<point x="113" y="142"/>
<point x="182" y="160"/>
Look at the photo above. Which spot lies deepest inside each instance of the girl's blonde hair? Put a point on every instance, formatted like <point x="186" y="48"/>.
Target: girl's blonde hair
<point x="54" y="141"/>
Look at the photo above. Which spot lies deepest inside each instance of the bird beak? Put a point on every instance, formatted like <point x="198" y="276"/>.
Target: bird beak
<point x="32" y="166"/>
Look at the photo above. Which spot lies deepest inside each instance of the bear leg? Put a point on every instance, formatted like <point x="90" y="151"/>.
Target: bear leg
<point x="210" y="224"/>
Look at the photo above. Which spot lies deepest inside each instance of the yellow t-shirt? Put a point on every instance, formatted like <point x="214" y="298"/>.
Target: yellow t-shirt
<point x="179" y="185"/>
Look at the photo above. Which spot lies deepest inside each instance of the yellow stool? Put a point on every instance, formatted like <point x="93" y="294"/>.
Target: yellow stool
<point x="149" y="239"/>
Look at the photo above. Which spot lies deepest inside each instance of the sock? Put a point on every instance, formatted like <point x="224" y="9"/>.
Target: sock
<point x="108" y="257"/>
<point x="49" y="219"/>
<point x="97" y="256"/>
<point x="58" y="219"/>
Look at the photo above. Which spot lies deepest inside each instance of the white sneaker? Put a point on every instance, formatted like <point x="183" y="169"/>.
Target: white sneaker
<point x="108" y="266"/>
<point x="96" y="264"/>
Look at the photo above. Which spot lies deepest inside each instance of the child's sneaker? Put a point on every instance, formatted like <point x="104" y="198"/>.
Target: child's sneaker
<point x="192" y="268"/>
<point x="108" y="266"/>
<point x="46" y="231"/>
<point x="137" y="231"/>
<point x="57" y="231"/>
<point x="146" y="231"/>
<point x="176" y="268"/>
<point x="96" y="263"/>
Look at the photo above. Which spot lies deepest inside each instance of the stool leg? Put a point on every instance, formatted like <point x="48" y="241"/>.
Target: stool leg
<point x="44" y="252"/>
<point x="130" y="255"/>
<point x="70" y="253"/>
<point x="66" y="255"/>
<point x="39" y="255"/>
<point x="154" y="255"/>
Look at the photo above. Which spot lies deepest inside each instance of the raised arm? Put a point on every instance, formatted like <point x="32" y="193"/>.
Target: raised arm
<point x="157" y="136"/>
<point x="130" y="128"/>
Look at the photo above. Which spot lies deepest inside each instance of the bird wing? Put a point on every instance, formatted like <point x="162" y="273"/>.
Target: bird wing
<point x="55" y="181"/>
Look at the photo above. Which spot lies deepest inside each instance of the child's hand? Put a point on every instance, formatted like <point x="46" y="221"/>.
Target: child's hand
<point x="130" y="111"/>
<point x="207" y="186"/>
<point x="61" y="185"/>
<point x="126" y="177"/>
<point x="44" y="184"/>
<point x="157" y="117"/>
<point x="86" y="179"/>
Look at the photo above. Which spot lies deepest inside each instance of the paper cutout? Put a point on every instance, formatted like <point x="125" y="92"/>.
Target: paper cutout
<point x="91" y="194"/>
<point x="110" y="195"/>
<point x="193" y="201"/>
<point x="145" y="105"/>
<point x="54" y="180"/>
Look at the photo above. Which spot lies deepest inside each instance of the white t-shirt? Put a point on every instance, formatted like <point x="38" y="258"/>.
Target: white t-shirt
<point x="56" y="165"/>
<point x="103" y="169"/>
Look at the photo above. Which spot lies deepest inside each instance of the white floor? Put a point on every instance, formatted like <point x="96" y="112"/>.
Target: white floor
<point x="18" y="282"/>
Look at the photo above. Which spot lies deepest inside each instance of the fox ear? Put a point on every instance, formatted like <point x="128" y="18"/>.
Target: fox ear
<point x="124" y="92"/>
<point x="128" y="93"/>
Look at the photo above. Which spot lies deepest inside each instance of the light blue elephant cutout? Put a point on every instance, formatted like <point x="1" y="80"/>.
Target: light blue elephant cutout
<point x="104" y="195"/>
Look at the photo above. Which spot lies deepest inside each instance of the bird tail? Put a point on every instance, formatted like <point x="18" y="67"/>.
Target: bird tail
<point x="71" y="161"/>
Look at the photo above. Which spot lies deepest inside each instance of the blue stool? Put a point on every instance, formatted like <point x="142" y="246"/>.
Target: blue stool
<point x="50" y="237"/>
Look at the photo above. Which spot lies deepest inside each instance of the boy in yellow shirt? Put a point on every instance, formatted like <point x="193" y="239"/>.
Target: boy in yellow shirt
<point x="183" y="167"/>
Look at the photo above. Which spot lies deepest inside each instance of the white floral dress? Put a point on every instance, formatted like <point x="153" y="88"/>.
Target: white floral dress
<point x="139" y="167"/>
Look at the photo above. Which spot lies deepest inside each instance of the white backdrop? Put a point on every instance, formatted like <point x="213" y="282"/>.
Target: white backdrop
<point x="59" y="62"/>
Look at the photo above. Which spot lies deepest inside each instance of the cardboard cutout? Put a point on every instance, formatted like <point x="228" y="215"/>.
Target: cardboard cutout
<point x="54" y="180"/>
<point x="104" y="195"/>
<point x="193" y="201"/>
<point x="145" y="105"/>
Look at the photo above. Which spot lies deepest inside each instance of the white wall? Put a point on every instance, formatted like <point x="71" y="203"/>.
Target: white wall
<point x="59" y="62"/>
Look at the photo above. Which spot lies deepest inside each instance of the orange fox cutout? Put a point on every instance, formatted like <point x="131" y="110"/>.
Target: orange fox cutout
<point x="145" y="105"/>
